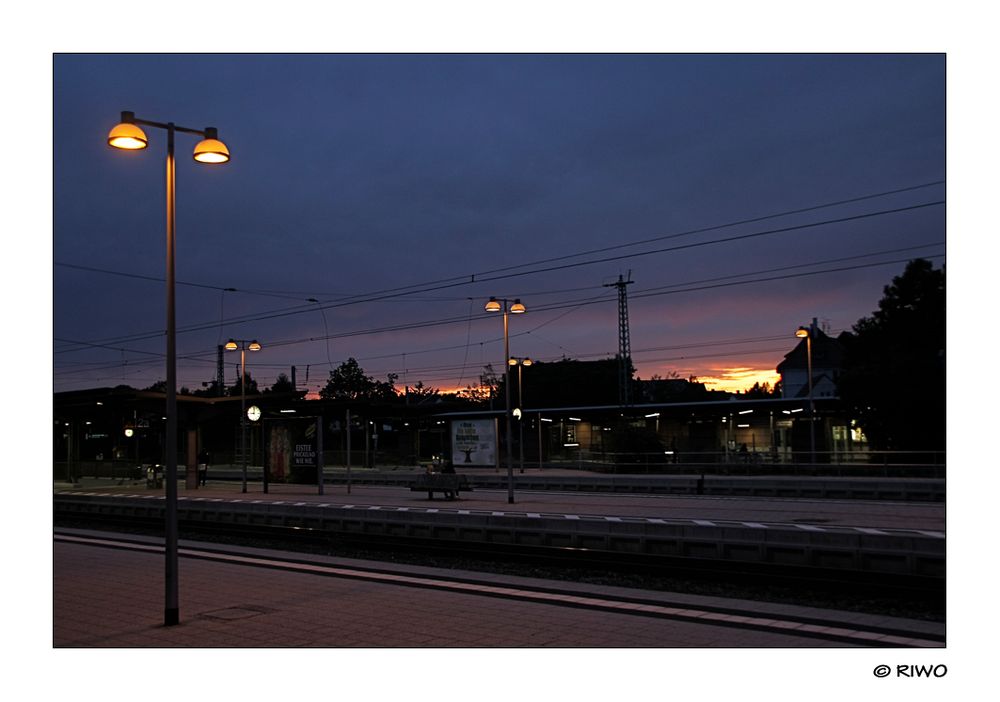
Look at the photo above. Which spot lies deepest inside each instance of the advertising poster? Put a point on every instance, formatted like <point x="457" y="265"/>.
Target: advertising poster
<point x="292" y="450"/>
<point x="473" y="442"/>
<point x="279" y="451"/>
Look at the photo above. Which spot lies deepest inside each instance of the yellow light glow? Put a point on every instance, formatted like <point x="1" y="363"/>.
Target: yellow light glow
<point x="127" y="136"/>
<point x="801" y="332"/>
<point x="211" y="151"/>
<point x="737" y="379"/>
<point x="254" y="346"/>
<point x="492" y="305"/>
<point x="527" y="362"/>
<point x="231" y="345"/>
<point x="517" y="308"/>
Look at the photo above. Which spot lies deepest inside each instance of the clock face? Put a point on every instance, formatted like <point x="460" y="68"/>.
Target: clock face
<point x="253" y="413"/>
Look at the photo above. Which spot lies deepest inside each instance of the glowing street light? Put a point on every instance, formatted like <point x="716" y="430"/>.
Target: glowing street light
<point x="129" y="136"/>
<point x="807" y="334"/>
<point x="242" y="345"/>
<point x="494" y="305"/>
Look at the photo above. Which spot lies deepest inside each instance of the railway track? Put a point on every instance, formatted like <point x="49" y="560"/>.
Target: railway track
<point x="901" y="594"/>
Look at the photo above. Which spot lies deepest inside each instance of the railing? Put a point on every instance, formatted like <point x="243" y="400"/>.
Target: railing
<point x="923" y="464"/>
<point x="111" y="470"/>
<point x="930" y="464"/>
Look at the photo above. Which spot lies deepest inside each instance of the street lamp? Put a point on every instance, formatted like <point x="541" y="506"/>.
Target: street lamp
<point x="128" y="135"/>
<point x="243" y="345"/>
<point x="495" y="305"/>
<point x="520" y="363"/>
<point x="807" y="334"/>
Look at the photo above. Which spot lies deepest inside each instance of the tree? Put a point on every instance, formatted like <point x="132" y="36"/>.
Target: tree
<point x="349" y="382"/>
<point x="568" y="383"/>
<point x="486" y="391"/>
<point x="251" y="386"/>
<point x="210" y="389"/>
<point x="894" y="366"/>
<point x="764" y="391"/>
<point x="282" y="384"/>
<point x="420" y="393"/>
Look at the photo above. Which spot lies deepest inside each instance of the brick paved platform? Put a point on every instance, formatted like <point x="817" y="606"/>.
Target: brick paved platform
<point x="105" y="597"/>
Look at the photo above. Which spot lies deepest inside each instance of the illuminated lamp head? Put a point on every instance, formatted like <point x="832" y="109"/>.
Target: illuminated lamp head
<point x="128" y="135"/>
<point x="210" y="149"/>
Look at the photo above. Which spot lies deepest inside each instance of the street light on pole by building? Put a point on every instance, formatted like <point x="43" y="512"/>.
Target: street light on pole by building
<point x="520" y="363"/>
<point x="243" y="345"/>
<point x="495" y="305"/>
<point x="807" y="334"/>
<point x="128" y="135"/>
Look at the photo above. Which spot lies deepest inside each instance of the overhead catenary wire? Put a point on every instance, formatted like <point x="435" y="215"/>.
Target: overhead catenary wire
<point x="675" y="288"/>
<point x="573" y="306"/>
<point x="467" y="279"/>
<point x="201" y="327"/>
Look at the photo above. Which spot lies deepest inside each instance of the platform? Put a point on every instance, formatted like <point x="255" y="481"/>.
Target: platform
<point x="110" y="595"/>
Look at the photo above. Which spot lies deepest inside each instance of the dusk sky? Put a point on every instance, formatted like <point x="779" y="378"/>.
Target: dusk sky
<point x="404" y="190"/>
<point x="354" y="174"/>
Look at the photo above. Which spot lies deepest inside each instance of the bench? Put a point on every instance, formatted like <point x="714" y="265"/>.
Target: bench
<point x="449" y="484"/>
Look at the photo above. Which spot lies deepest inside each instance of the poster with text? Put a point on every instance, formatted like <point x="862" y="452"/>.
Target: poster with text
<point x="473" y="442"/>
<point x="292" y="449"/>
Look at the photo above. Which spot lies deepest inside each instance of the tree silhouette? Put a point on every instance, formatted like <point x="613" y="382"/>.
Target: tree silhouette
<point x="282" y="384"/>
<point x="484" y="393"/>
<point x="234" y="390"/>
<point x="349" y="382"/>
<point x="422" y="393"/>
<point x="894" y="366"/>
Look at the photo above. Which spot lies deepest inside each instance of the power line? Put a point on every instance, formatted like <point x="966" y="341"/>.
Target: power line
<point x="788" y="276"/>
<point x="724" y="240"/>
<point x="722" y="226"/>
<point x="573" y="305"/>
<point x="472" y="278"/>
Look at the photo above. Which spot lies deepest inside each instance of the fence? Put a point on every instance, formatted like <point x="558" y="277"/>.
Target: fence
<point x="911" y="464"/>
<point x="929" y="464"/>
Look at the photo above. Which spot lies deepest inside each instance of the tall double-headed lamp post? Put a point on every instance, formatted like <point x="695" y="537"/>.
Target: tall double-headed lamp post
<point x="128" y="135"/>
<point x="807" y="334"/>
<point x="242" y="345"/>
<point x="520" y="363"/>
<point x="495" y="305"/>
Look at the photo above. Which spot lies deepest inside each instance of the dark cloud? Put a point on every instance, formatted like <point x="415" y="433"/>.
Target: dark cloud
<point x="359" y="173"/>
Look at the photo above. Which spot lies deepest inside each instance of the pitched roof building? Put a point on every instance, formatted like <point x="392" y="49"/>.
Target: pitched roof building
<point x="827" y="362"/>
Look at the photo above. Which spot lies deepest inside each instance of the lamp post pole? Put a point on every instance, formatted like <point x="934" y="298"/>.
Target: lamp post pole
<point x="129" y="136"/>
<point x="172" y="607"/>
<point x="520" y="363"/>
<point x="243" y="412"/>
<point x="812" y="404"/>
<point x="516" y="308"/>
<point x="807" y="332"/>
<point x="243" y="345"/>
<point x="506" y="387"/>
<point x="520" y="419"/>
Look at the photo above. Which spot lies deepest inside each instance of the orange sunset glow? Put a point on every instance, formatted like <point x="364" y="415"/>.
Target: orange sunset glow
<point x="738" y="379"/>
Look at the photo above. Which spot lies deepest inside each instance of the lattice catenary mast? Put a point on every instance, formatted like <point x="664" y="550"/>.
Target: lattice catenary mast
<point x="624" y="345"/>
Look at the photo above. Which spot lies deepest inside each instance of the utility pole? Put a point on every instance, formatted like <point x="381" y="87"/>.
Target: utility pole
<point x="624" y="345"/>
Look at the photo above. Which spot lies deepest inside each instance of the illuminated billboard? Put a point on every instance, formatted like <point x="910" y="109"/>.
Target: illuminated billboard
<point x="474" y="442"/>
